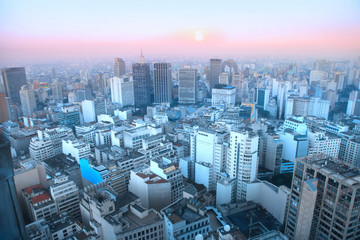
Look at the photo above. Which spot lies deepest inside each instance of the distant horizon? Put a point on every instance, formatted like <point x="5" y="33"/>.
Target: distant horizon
<point x="43" y="31"/>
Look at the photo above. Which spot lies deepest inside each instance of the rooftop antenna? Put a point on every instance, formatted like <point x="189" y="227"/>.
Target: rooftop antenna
<point x="142" y="59"/>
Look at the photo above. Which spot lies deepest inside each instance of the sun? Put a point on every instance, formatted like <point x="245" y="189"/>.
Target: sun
<point x="199" y="36"/>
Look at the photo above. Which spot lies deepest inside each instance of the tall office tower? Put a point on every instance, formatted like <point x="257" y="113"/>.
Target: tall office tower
<point x="28" y="102"/>
<point x="122" y="90"/>
<point x="4" y="112"/>
<point x="187" y="85"/>
<point x="11" y="220"/>
<point x="238" y="84"/>
<point x="215" y="71"/>
<point x="162" y="83"/>
<point x="57" y="91"/>
<point x="353" y="106"/>
<point x="325" y="200"/>
<point x="119" y="67"/>
<point x="262" y="97"/>
<point x="210" y="163"/>
<point x="242" y="161"/>
<point x="142" y="82"/>
<point x="14" y="79"/>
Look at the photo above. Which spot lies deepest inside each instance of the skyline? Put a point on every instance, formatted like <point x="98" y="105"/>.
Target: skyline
<point x="40" y="31"/>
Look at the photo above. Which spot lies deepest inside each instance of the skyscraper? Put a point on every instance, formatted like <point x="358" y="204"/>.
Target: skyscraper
<point x="14" y="79"/>
<point x="187" y="85"/>
<point x="57" y="91"/>
<point x="4" y="112"/>
<point x="119" y="67"/>
<point x="242" y="162"/>
<point x="122" y="90"/>
<point x="325" y="200"/>
<point x="215" y="70"/>
<point x="142" y="82"/>
<point x="28" y="102"/>
<point x="162" y="83"/>
<point x="11" y="220"/>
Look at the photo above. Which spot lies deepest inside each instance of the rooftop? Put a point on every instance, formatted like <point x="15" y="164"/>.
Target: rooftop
<point x="338" y="170"/>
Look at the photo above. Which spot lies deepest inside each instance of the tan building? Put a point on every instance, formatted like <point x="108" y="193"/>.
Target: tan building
<point x="325" y="199"/>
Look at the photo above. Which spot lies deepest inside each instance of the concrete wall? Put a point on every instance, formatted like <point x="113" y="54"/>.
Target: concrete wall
<point x="273" y="198"/>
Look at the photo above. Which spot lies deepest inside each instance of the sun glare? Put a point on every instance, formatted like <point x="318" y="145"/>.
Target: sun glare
<point x="199" y="36"/>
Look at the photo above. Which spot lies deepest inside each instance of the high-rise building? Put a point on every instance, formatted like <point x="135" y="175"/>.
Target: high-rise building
<point x="187" y="85"/>
<point x="119" y="67"/>
<point x="14" y="79"/>
<point x="223" y="97"/>
<point x="262" y="97"/>
<point x="28" y="102"/>
<point x="325" y="200"/>
<point x="57" y="91"/>
<point x="350" y="148"/>
<point x="242" y="161"/>
<point x="215" y="71"/>
<point x="142" y="83"/>
<point x="122" y="90"/>
<point x="353" y="106"/>
<point x="4" y="112"/>
<point x="224" y="78"/>
<point x="305" y="106"/>
<point x="162" y="83"/>
<point x="210" y="163"/>
<point x="92" y="108"/>
<point x="11" y="219"/>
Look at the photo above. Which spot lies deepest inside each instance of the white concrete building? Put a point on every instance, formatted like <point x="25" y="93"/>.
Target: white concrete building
<point x="319" y="142"/>
<point x="317" y="76"/>
<point x="122" y="90"/>
<point x="171" y="172"/>
<point x="224" y="78"/>
<point x="274" y="199"/>
<point x="186" y="219"/>
<point x="28" y="102"/>
<point x="210" y="155"/>
<point x="295" y="145"/>
<point x="66" y="196"/>
<point x="76" y="148"/>
<point x="154" y="191"/>
<point x="41" y="149"/>
<point x="242" y="162"/>
<point x="224" y="97"/>
<point x="297" y="124"/>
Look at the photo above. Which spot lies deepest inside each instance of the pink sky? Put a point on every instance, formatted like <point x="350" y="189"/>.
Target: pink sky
<point x="50" y="31"/>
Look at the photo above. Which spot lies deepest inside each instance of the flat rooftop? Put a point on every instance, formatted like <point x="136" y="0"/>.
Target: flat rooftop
<point x="255" y="221"/>
<point x="338" y="170"/>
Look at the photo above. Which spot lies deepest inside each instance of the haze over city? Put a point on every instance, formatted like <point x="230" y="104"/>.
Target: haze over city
<point x="179" y="120"/>
<point x="40" y="31"/>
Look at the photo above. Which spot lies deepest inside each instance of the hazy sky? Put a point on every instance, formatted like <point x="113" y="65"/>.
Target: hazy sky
<point x="33" y="31"/>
